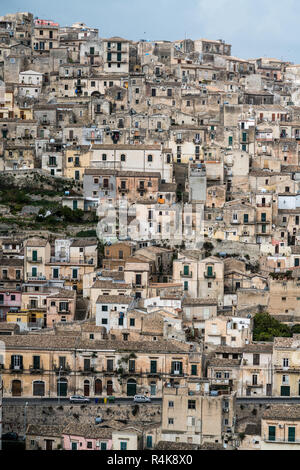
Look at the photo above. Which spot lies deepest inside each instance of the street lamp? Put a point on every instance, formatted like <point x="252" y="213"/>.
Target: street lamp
<point x="25" y="419"/>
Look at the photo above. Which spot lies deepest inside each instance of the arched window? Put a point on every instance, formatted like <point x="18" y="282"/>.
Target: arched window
<point x="16" y="388"/>
<point x="131" y="387"/>
<point x="38" y="388"/>
<point x="109" y="388"/>
<point x="98" y="387"/>
<point x="86" y="388"/>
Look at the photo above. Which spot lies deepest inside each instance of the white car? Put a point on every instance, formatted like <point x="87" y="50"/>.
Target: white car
<point x="79" y="399"/>
<point x="141" y="399"/>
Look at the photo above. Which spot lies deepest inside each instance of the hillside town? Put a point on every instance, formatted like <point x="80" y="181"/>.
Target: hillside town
<point x="149" y="242"/>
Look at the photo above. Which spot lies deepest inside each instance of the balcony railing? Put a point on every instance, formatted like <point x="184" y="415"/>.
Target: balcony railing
<point x="31" y="260"/>
<point x="188" y="275"/>
<point x="66" y="369"/>
<point x="36" y="370"/>
<point x="210" y="276"/>
<point x="16" y="369"/>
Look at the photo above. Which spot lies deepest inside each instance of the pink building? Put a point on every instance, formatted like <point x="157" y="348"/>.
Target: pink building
<point x="86" y="437"/>
<point x="61" y="307"/>
<point x="9" y="300"/>
<point x="39" y="22"/>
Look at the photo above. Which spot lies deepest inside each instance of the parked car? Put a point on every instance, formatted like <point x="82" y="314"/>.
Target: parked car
<point x="10" y="436"/>
<point x="141" y="399"/>
<point x="79" y="399"/>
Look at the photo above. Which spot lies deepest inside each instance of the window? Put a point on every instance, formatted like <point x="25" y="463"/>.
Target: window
<point x="132" y="322"/>
<point x="170" y="421"/>
<point x="171" y="404"/>
<point x="285" y="362"/>
<point x="285" y="379"/>
<point x="256" y="359"/>
<point x="191" y="404"/>
<point x="150" y="158"/>
<point x="272" y="433"/>
<point x="89" y="445"/>
<point x="149" y="442"/>
<point x="74" y="273"/>
<point x="254" y="379"/>
<point x="123" y="445"/>
<point x="104" y="308"/>
<point x="291" y="434"/>
<point x="153" y="367"/>
<point x="123" y="158"/>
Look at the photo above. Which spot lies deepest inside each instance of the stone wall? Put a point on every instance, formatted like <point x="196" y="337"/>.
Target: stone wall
<point x="14" y="415"/>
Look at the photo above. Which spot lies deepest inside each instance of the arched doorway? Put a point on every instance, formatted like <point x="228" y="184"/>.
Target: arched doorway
<point x="86" y="388"/>
<point x="109" y="388"/>
<point x="38" y="388"/>
<point x="153" y="388"/>
<point x="98" y="387"/>
<point x="62" y="387"/>
<point x="16" y="388"/>
<point x="131" y="388"/>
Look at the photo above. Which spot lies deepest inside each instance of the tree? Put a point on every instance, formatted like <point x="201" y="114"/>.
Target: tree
<point x="266" y="328"/>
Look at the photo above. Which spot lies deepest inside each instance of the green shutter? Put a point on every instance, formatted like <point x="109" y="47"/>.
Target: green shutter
<point x="34" y="272"/>
<point x="272" y="433"/>
<point x="285" y="391"/>
<point x="209" y="271"/>
<point x="34" y="255"/>
<point x="153" y="367"/>
<point x="149" y="442"/>
<point x="230" y="141"/>
<point x="194" y="369"/>
<point x="186" y="270"/>
<point x="246" y="218"/>
<point x="291" y="437"/>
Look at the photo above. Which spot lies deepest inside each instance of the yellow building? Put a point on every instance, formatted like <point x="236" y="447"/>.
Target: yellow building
<point x="76" y="161"/>
<point x="26" y="319"/>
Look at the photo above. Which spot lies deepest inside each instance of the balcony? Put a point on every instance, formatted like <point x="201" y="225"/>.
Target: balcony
<point x="33" y="261"/>
<point x="51" y="164"/>
<point x="30" y="277"/>
<point x="251" y="385"/>
<point x="64" y="312"/>
<point x="66" y="369"/>
<point x="16" y="369"/>
<point x="36" y="370"/>
<point x="141" y="189"/>
<point x="87" y="370"/>
<point x="210" y="276"/>
<point x="188" y="275"/>
<point x="123" y="190"/>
